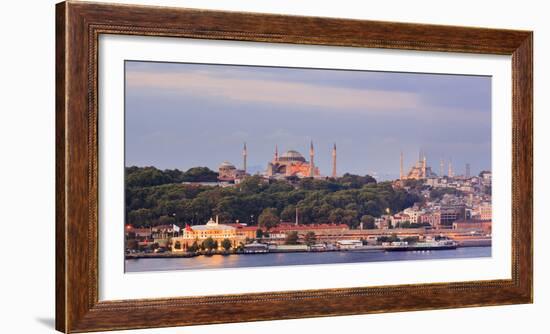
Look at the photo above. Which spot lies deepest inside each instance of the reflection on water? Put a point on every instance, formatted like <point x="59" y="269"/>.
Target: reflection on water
<point x="290" y="259"/>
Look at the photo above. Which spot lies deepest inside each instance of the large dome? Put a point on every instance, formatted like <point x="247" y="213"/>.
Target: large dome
<point x="292" y="156"/>
<point x="227" y="165"/>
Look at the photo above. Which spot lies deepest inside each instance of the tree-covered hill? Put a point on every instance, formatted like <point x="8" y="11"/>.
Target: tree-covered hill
<point x="151" y="176"/>
<point x="155" y="197"/>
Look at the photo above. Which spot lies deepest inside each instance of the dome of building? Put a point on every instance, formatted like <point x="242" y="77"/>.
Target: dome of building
<point x="292" y="156"/>
<point x="227" y="165"/>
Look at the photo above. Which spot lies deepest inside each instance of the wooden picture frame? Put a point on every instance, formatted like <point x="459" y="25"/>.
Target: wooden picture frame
<point x="78" y="27"/>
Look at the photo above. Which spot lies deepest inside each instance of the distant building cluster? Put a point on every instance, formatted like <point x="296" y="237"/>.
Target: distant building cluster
<point x="466" y="200"/>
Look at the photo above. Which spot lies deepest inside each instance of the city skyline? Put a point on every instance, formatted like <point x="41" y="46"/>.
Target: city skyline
<point x="187" y="115"/>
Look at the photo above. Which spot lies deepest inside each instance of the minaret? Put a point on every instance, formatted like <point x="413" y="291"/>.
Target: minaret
<point x="441" y="167"/>
<point x="334" y="160"/>
<point x="401" y="176"/>
<point x="311" y="162"/>
<point x="296" y="223"/>
<point x="245" y="154"/>
<point x="450" y="168"/>
<point x="424" y="167"/>
<point x="276" y="157"/>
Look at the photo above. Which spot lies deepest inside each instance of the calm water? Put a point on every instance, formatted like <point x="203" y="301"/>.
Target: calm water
<point x="289" y="259"/>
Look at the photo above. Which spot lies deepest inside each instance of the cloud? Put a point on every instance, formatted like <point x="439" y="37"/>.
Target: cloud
<point x="274" y="91"/>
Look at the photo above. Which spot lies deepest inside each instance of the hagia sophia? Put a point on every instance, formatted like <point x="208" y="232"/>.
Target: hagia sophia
<point x="289" y="164"/>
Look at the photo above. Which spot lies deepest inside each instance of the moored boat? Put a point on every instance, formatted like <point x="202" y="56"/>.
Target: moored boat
<point x="420" y="246"/>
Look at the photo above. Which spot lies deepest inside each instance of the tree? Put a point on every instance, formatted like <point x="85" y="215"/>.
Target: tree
<point x="310" y="238"/>
<point x="140" y="217"/>
<point x="209" y="244"/>
<point x="368" y="222"/>
<point x="194" y="247"/>
<point x="259" y="233"/>
<point x="252" y="184"/>
<point x="199" y="174"/>
<point x="166" y="220"/>
<point x="291" y="238"/>
<point x="268" y="218"/>
<point x="153" y="196"/>
<point x="132" y="244"/>
<point x="146" y="176"/>
<point x="226" y="244"/>
<point x="289" y="213"/>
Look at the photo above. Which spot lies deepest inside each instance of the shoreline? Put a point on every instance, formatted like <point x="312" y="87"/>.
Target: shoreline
<point x="168" y="255"/>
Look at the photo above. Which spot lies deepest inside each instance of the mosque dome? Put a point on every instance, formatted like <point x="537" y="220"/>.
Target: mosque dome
<point x="227" y="165"/>
<point x="292" y="156"/>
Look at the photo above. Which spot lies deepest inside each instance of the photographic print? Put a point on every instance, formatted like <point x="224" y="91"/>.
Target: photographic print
<point x="230" y="166"/>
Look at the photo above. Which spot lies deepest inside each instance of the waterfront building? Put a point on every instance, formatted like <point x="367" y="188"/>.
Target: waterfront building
<point x="414" y="214"/>
<point x="483" y="211"/>
<point x="212" y="229"/>
<point x="433" y="218"/>
<point x="349" y="244"/>
<point x="286" y="227"/>
<point x="484" y="226"/>
<point x="164" y="231"/>
<point x="139" y="233"/>
<point x="383" y="222"/>
<point x="450" y="214"/>
<point x="400" y="218"/>
<point x="244" y="230"/>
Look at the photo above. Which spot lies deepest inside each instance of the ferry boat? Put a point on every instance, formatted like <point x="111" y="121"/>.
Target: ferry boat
<point x="420" y="246"/>
<point x="255" y="248"/>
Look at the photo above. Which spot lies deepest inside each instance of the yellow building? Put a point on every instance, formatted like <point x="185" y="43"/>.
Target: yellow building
<point x="199" y="233"/>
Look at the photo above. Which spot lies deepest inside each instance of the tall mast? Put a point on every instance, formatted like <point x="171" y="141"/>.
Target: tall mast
<point x="401" y="176"/>
<point x="311" y="162"/>
<point x="245" y="154"/>
<point x="334" y="160"/>
<point x="424" y="167"/>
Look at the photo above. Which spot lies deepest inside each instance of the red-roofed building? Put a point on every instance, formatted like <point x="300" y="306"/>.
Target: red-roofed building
<point x="317" y="228"/>
<point x="245" y="230"/>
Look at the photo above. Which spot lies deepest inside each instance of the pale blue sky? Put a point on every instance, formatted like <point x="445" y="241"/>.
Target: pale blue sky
<point x="185" y="115"/>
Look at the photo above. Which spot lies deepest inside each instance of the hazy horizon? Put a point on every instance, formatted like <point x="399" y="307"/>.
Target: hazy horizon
<point x="180" y="115"/>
